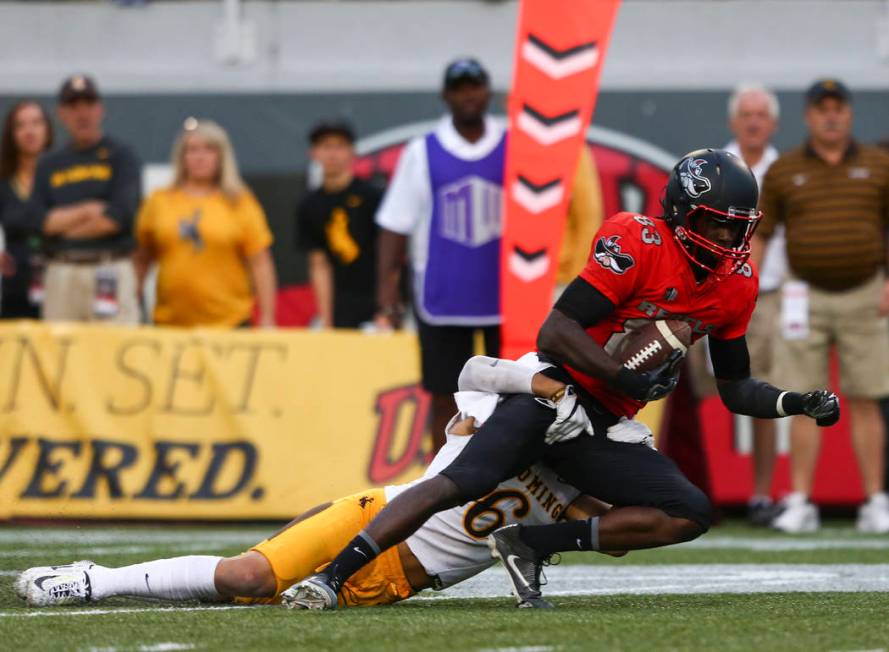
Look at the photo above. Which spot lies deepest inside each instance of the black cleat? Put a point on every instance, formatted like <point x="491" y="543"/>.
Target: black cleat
<point x="523" y="566"/>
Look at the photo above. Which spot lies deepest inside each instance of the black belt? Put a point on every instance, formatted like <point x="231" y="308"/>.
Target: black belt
<point x="75" y="257"/>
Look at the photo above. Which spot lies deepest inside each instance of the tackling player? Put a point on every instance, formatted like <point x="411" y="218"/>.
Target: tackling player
<point x="690" y="264"/>
<point x="448" y="549"/>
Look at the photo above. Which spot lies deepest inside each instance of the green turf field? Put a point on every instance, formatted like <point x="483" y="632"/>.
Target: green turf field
<point x="827" y="592"/>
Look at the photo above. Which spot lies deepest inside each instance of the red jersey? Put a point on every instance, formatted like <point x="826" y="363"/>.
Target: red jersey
<point x="637" y="264"/>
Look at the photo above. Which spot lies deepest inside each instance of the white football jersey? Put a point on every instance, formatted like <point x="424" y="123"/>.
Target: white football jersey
<point x="452" y="545"/>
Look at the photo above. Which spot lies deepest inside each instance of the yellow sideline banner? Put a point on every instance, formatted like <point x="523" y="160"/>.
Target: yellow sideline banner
<point x="116" y="422"/>
<point x="110" y="422"/>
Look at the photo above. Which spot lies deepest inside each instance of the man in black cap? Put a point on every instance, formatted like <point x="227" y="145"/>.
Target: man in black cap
<point x="85" y="198"/>
<point x="445" y="196"/>
<point x="832" y="195"/>
<point x="335" y="225"/>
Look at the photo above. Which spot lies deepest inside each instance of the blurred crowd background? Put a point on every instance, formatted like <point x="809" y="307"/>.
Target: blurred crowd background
<point x="226" y="163"/>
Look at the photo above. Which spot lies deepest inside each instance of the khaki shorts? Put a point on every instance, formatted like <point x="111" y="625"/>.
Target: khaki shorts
<point x="851" y="322"/>
<point x="762" y="332"/>
<point x="70" y="290"/>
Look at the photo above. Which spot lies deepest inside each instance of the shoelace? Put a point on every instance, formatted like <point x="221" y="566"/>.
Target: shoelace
<point x="553" y="559"/>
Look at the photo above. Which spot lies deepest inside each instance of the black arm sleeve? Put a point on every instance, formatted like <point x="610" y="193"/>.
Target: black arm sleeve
<point x="742" y="394"/>
<point x="731" y="359"/>
<point x="583" y="303"/>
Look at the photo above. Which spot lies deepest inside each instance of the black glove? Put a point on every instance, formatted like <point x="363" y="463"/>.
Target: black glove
<point x="650" y="385"/>
<point x="823" y="406"/>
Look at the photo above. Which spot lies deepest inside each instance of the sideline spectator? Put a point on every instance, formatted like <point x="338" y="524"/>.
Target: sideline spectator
<point x="884" y="402"/>
<point x="445" y="196"/>
<point x="753" y="118"/>
<point x="832" y="195"/>
<point x="583" y="220"/>
<point x="27" y="133"/>
<point x="85" y="197"/>
<point x="335" y="225"/>
<point x="209" y="237"/>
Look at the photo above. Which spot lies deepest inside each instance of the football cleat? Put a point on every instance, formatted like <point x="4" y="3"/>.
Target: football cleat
<point x="523" y="566"/>
<point x="314" y="592"/>
<point x="798" y="516"/>
<point x="25" y="577"/>
<point x="873" y="516"/>
<point x="59" y="588"/>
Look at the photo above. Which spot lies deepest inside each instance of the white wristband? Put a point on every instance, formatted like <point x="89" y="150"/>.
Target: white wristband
<point x="779" y="405"/>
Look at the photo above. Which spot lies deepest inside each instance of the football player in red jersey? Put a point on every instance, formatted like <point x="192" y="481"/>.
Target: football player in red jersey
<point x="690" y="264"/>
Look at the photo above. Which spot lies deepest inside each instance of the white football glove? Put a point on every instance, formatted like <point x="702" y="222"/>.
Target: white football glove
<point x="571" y="418"/>
<point x="629" y="431"/>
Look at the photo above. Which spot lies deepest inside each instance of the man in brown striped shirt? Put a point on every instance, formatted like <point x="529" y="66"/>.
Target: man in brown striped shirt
<point x="832" y="195"/>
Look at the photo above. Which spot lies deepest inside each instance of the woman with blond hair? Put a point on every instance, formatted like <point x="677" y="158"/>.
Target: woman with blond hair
<point x="209" y="237"/>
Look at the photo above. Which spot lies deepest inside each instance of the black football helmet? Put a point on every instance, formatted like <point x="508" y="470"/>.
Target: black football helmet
<point x="712" y="185"/>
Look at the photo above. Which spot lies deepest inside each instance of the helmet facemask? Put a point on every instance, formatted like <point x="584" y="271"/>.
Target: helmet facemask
<point x="715" y="258"/>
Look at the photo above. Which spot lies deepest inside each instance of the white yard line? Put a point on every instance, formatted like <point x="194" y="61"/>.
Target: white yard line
<point x="526" y="648"/>
<point x="600" y="580"/>
<point x="782" y="544"/>
<point x="133" y="535"/>
<point x="38" y="613"/>
<point x="137" y="539"/>
<point x="155" y="647"/>
<point x="684" y="579"/>
<point x="59" y="555"/>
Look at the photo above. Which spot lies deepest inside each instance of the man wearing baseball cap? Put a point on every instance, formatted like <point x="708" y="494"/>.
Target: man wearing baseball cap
<point x="445" y="197"/>
<point x="336" y="228"/>
<point x="832" y="196"/>
<point x="85" y="198"/>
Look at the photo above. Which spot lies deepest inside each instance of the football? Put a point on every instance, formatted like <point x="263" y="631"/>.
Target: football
<point x="652" y="343"/>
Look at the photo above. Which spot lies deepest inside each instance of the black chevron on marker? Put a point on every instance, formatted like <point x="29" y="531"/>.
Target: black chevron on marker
<point x="539" y="187"/>
<point x="529" y="256"/>
<point x="549" y="120"/>
<point x="560" y="54"/>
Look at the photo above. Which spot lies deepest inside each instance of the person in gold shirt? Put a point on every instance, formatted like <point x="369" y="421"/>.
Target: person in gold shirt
<point x="583" y="220"/>
<point x="209" y="237"/>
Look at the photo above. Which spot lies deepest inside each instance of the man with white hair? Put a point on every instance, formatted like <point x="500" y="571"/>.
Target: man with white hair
<point x="752" y="118"/>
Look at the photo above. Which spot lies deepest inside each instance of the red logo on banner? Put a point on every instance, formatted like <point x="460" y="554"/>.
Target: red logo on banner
<point x="390" y="456"/>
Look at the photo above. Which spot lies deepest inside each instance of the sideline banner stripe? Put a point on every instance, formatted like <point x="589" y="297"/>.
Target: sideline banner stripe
<point x="560" y="47"/>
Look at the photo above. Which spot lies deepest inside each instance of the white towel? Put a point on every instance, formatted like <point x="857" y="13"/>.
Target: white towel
<point x="478" y="405"/>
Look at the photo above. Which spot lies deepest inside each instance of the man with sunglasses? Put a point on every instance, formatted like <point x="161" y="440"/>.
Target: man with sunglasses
<point x="689" y="264"/>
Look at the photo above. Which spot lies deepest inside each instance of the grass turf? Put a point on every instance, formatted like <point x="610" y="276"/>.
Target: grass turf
<point x="787" y="621"/>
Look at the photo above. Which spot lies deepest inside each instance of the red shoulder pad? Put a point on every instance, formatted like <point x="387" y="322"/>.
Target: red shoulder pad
<point x="617" y="249"/>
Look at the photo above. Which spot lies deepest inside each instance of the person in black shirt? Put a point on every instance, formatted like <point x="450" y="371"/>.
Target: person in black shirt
<point x="335" y="225"/>
<point x="27" y="133"/>
<point x="85" y="199"/>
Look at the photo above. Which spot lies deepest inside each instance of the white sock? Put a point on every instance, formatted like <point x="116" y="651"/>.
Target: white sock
<point x="180" y="578"/>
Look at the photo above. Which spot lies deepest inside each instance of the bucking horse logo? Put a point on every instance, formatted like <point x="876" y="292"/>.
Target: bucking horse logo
<point x="609" y="255"/>
<point x="692" y="179"/>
